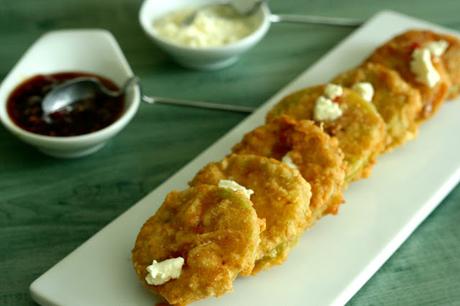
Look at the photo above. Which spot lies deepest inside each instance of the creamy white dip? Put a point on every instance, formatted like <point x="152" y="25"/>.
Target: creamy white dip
<point x="213" y="27"/>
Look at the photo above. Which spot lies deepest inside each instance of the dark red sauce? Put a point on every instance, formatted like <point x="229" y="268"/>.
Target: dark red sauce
<point x="85" y="116"/>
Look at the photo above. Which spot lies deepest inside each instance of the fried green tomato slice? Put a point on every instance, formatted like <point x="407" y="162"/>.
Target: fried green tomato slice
<point x="395" y="100"/>
<point x="316" y="155"/>
<point x="215" y="230"/>
<point x="360" y="130"/>
<point x="397" y="55"/>
<point x="281" y="197"/>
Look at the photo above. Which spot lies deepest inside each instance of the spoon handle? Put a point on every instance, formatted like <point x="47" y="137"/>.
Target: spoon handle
<point x="327" y="21"/>
<point x="199" y="104"/>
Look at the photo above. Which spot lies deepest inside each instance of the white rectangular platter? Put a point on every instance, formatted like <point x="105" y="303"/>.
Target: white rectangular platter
<point x="336" y="257"/>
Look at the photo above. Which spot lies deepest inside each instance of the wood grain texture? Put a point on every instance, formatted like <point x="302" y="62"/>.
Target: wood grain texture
<point x="48" y="207"/>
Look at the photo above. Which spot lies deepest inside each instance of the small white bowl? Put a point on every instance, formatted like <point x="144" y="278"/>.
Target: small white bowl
<point x="199" y="58"/>
<point x="94" y="51"/>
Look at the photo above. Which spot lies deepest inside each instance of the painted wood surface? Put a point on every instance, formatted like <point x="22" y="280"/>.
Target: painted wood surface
<point x="48" y="207"/>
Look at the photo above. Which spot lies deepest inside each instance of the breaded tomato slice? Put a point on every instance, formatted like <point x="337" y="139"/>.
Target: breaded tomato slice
<point x="359" y="130"/>
<point x="215" y="230"/>
<point x="305" y="145"/>
<point x="396" y="101"/>
<point x="281" y="196"/>
<point x="398" y="54"/>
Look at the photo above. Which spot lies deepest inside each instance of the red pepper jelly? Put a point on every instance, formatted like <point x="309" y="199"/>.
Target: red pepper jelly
<point x="83" y="117"/>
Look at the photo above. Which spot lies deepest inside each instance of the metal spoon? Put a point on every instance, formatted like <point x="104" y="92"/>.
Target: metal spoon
<point x="243" y="8"/>
<point x="320" y="20"/>
<point x="64" y="95"/>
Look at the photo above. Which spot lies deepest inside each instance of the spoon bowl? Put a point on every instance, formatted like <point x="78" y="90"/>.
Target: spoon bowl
<point x="70" y="92"/>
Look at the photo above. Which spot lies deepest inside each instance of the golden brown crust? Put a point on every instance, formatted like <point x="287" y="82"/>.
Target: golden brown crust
<point x="281" y="197"/>
<point x="360" y="130"/>
<point x="215" y="230"/>
<point x="315" y="153"/>
<point x="395" y="100"/>
<point x="397" y="55"/>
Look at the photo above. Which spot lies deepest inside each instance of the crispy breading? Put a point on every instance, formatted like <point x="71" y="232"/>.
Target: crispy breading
<point x="215" y="230"/>
<point x="396" y="101"/>
<point x="281" y="197"/>
<point x="397" y="54"/>
<point x="360" y="130"/>
<point x="316" y="155"/>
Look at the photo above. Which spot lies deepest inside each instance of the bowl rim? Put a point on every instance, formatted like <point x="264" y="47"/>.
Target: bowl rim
<point x="250" y="39"/>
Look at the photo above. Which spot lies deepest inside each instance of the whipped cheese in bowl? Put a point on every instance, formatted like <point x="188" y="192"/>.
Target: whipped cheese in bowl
<point x="215" y="38"/>
<point x="212" y="26"/>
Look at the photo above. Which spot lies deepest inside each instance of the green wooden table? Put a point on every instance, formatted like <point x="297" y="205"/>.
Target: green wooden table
<point x="48" y="207"/>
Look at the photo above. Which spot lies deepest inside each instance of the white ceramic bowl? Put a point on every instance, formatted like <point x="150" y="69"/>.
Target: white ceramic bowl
<point x="94" y="51"/>
<point x="199" y="58"/>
